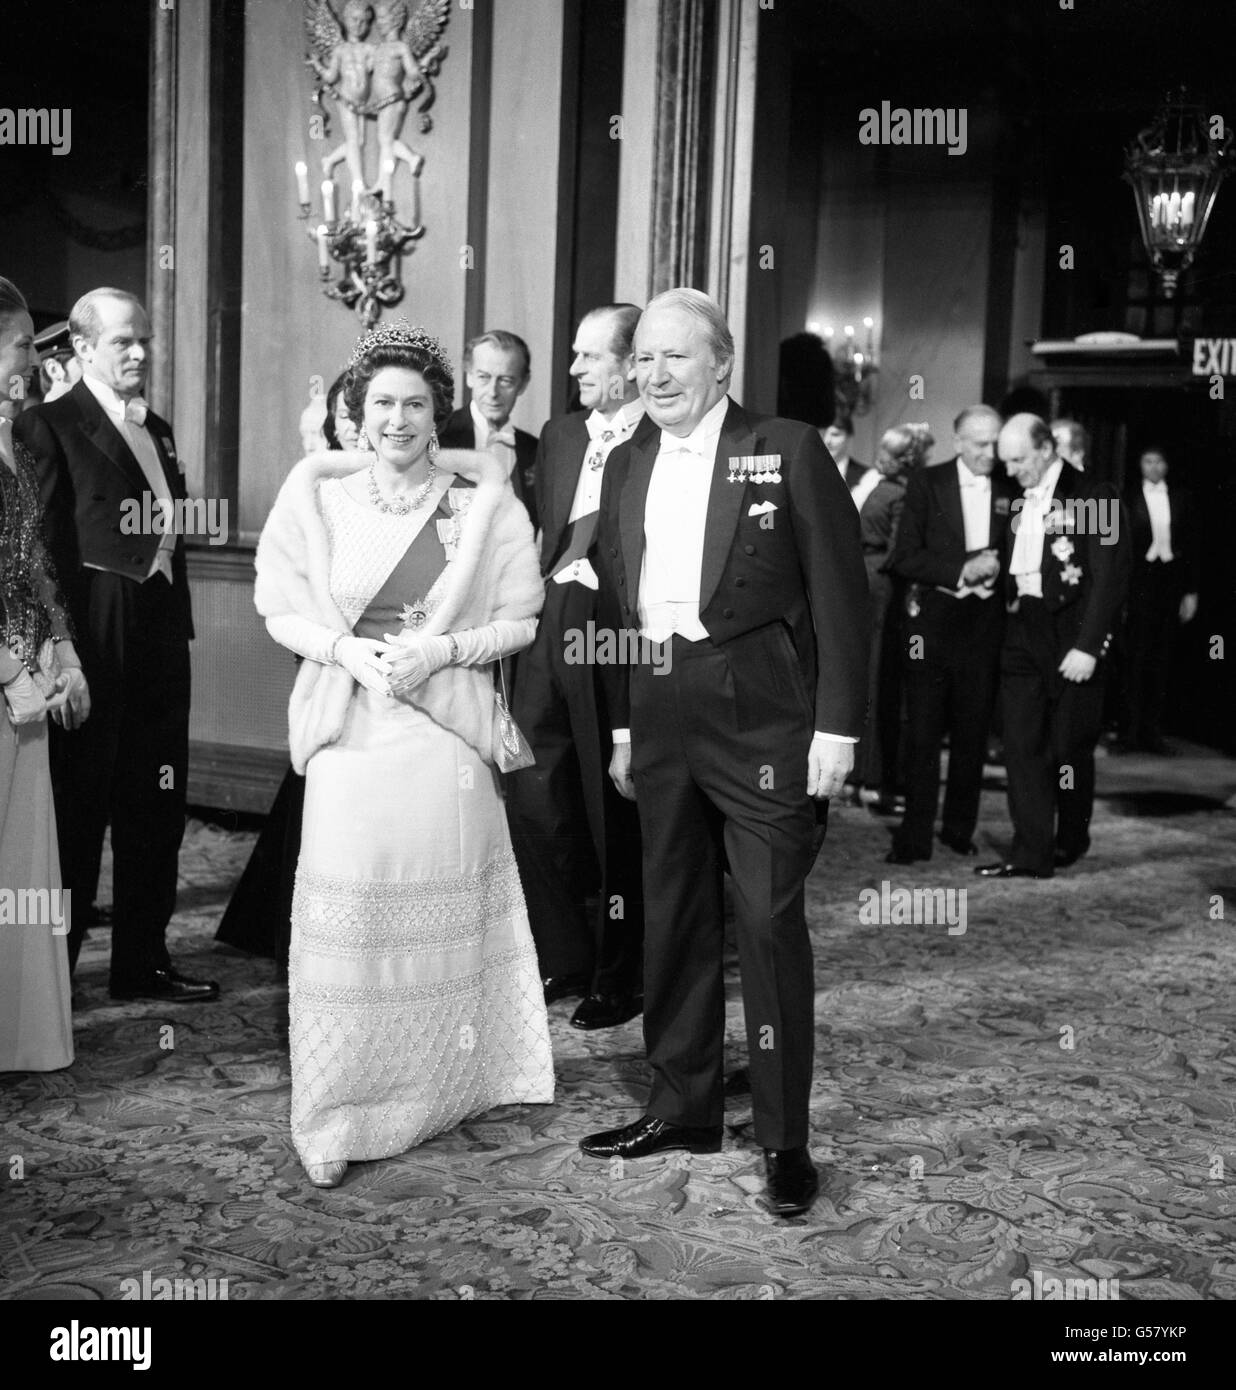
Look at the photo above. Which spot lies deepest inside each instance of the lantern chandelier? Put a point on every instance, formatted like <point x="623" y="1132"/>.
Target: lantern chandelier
<point x="1175" y="167"/>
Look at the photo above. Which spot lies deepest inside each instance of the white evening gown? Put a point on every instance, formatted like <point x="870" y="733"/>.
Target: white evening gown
<point x="414" y="993"/>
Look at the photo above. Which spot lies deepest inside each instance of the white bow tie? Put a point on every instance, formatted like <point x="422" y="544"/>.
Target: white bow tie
<point x="682" y="447"/>
<point x="506" y="436"/>
<point x="975" y="480"/>
<point x="1155" y="487"/>
<point x="135" y="409"/>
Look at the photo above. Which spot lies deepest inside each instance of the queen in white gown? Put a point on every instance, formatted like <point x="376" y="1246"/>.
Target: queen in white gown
<point x="401" y="574"/>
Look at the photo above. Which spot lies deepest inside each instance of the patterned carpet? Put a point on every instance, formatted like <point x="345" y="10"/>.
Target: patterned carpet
<point x="965" y="1143"/>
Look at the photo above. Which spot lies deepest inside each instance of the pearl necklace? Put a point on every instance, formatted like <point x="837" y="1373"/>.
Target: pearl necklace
<point x="409" y="504"/>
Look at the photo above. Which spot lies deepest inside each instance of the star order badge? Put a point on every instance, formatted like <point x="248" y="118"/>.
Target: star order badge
<point x="1071" y="574"/>
<point x="1062" y="549"/>
<point x="413" y="615"/>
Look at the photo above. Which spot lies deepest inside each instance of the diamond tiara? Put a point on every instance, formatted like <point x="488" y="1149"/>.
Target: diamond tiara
<point x="400" y="334"/>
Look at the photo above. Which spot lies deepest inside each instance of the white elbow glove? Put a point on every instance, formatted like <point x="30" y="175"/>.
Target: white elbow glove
<point x="315" y="641"/>
<point x="416" y="658"/>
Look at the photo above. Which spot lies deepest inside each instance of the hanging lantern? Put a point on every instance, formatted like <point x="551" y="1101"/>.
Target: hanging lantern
<point x="1176" y="166"/>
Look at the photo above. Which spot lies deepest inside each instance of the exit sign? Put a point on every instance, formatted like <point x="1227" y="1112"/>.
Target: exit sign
<point x="1214" y="357"/>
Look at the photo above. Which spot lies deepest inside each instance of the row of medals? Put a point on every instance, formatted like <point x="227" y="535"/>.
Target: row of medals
<point x="760" y="468"/>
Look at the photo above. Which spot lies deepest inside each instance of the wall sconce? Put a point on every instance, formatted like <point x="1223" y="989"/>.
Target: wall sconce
<point x="1175" y="167"/>
<point x="367" y="242"/>
<point x="856" y="368"/>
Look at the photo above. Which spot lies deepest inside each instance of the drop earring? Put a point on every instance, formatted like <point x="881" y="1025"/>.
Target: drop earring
<point x="434" y="448"/>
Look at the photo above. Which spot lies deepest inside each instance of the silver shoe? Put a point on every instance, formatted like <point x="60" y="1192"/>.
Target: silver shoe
<point x="326" y="1174"/>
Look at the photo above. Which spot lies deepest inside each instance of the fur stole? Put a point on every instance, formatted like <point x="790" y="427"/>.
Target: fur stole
<point x="495" y="575"/>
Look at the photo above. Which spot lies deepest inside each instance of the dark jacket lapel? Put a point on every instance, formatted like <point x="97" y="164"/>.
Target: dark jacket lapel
<point x="949" y="484"/>
<point x="644" y="447"/>
<point x="725" y="499"/>
<point x="567" y="463"/>
<point x="105" y="437"/>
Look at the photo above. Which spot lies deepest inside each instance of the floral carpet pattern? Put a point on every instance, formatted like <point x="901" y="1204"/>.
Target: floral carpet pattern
<point x="1050" y="1090"/>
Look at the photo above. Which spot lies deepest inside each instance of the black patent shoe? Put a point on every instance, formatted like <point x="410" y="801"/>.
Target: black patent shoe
<point x="607" y="1010"/>
<point x="649" y="1135"/>
<point x="1007" y="871"/>
<point x="169" y="986"/>
<point x="793" y="1182"/>
<point x="563" y="987"/>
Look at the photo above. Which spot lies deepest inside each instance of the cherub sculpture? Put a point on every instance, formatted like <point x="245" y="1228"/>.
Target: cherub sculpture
<point x="343" y="62"/>
<point x="376" y="77"/>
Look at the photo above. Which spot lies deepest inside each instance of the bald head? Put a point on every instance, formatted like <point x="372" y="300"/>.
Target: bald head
<point x="1027" y="448"/>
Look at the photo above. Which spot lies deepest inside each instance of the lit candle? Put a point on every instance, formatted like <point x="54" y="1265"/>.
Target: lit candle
<point x="828" y="330"/>
<point x="1173" y="210"/>
<point x="813" y="325"/>
<point x="849" y="330"/>
<point x="357" y="189"/>
<point x="1186" y="209"/>
<point x="323" y="249"/>
<point x="328" y="199"/>
<point x="371" y="242"/>
<point x="302" y="182"/>
<point x="869" y="325"/>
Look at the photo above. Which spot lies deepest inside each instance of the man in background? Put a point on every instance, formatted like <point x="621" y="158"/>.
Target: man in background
<point x="1162" y="597"/>
<point x="949" y="546"/>
<point x="497" y="368"/>
<point x="574" y="836"/>
<point x="59" y="369"/>
<point x="858" y="477"/>
<point x="1066" y="564"/>
<point x="1072" y="442"/>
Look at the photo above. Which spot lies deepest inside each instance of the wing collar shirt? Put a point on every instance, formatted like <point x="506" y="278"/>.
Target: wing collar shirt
<point x="976" y="519"/>
<point x="498" y="442"/>
<point x="604" y="436"/>
<point x="1027" y="563"/>
<point x="129" y="417"/>
<point x="1159" y="507"/>
<point x="675" y="517"/>
<point x="674" y="520"/>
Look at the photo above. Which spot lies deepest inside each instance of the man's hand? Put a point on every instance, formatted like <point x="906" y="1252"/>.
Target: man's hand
<point x="76" y="708"/>
<point x="1188" y="608"/>
<point x="620" y="770"/>
<point x="828" y="765"/>
<point x="1077" y="666"/>
<point x="980" y="569"/>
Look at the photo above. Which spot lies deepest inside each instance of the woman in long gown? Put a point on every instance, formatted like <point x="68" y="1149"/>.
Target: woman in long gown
<point x="40" y="673"/>
<point x="414" y="996"/>
<point x="903" y="448"/>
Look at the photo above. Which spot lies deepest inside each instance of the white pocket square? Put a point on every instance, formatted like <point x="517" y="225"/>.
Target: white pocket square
<point x="759" y="508"/>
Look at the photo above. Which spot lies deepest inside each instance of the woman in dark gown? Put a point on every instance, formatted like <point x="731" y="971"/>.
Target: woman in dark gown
<point x="903" y="448"/>
<point x="258" y="918"/>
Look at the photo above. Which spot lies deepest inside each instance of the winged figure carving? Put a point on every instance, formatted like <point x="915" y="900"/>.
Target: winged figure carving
<point x="373" y="59"/>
